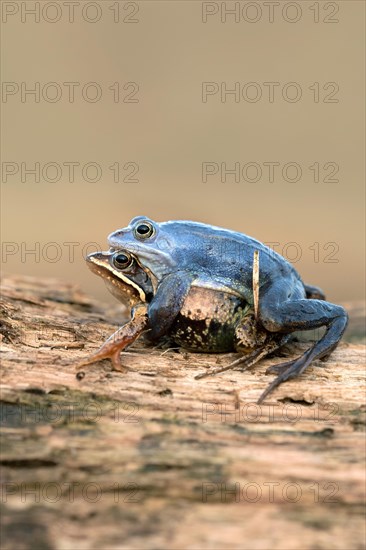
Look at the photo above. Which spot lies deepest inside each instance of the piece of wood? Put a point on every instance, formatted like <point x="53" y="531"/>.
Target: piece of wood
<point x="155" y="459"/>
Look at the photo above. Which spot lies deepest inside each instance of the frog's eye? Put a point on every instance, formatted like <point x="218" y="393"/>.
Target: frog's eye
<point x="122" y="260"/>
<point x="144" y="230"/>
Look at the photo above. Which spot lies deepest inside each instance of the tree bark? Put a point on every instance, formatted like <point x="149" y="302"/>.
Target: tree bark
<point x="156" y="459"/>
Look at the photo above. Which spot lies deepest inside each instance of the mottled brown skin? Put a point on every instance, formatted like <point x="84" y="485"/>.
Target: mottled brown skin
<point x="216" y="321"/>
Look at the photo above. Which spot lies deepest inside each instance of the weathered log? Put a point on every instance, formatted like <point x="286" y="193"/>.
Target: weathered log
<point x="156" y="459"/>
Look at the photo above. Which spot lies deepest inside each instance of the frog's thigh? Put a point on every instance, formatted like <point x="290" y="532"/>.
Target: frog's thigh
<point x="167" y="302"/>
<point x="314" y="292"/>
<point x="300" y="314"/>
<point x="280" y="313"/>
<point x="284" y="308"/>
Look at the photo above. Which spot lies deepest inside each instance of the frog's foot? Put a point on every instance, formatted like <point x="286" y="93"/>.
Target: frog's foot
<point x="289" y="370"/>
<point x="272" y="344"/>
<point x="279" y="369"/>
<point x="282" y="367"/>
<point x="107" y="351"/>
<point x="248" y="361"/>
<point x="123" y="337"/>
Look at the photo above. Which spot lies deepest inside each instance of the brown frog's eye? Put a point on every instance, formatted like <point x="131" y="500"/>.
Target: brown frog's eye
<point x="144" y="230"/>
<point x="122" y="260"/>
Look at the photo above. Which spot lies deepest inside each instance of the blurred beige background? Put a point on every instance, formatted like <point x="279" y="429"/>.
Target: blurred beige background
<point x="169" y="132"/>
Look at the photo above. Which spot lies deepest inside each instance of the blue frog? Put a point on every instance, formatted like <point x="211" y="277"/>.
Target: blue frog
<point x="189" y="263"/>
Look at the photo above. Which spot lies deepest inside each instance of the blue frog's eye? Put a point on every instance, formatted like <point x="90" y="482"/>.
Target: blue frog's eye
<point x="122" y="260"/>
<point x="144" y="230"/>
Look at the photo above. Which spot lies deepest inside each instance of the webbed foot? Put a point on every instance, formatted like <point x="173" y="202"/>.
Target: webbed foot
<point x="247" y="361"/>
<point x="285" y="371"/>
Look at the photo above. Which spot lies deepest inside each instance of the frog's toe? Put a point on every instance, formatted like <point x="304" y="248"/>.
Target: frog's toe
<point x="107" y="351"/>
<point x="116" y="362"/>
<point x="288" y="370"/>
<point x="279" y="369"/>
<point x="86" y="362"/>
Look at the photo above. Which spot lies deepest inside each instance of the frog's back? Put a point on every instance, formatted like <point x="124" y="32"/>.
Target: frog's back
<point x="233" y="251"/>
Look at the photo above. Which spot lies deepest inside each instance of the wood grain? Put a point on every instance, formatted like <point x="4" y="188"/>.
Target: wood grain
<point x="155" y="459"/>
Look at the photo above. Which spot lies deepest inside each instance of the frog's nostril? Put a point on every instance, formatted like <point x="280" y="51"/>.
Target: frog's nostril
<point x="116" y="234"/>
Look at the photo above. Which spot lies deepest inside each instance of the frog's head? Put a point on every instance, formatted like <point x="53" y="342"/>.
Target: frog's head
<point x="123" y="275"/>
<point x="149" y="242"/>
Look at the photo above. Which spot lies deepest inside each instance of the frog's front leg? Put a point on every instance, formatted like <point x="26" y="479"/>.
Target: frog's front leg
<point x="283" y="308"/>
<point x="120" y="339"/>
<point x="167" y="302"/>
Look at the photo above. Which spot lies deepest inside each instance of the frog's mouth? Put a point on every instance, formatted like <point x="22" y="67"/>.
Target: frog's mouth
<point x="121" y="286"/>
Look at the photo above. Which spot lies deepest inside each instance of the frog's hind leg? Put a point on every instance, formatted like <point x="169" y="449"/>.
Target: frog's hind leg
<point x="285" y="371"/>
<point x="281" y="312"/>
<point x="272" y="344"/>
<point x="314" y="292"/>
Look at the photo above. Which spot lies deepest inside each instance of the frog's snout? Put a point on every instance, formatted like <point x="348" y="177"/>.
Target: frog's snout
<point x="117" y="238"/>
<point x="116" y="235"/>
<point x="90" y="258"/>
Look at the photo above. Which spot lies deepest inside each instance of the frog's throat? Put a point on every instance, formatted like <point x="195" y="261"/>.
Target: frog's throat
<point x="98" y="265"/>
